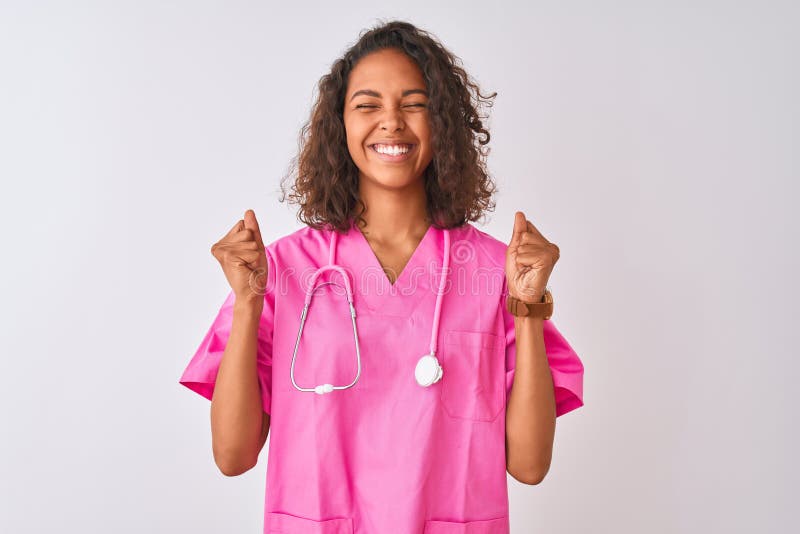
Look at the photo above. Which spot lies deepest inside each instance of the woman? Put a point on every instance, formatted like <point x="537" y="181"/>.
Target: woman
<point x="405" y="415"/>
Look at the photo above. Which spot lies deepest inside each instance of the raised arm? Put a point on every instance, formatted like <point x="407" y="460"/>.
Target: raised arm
<point x="239" y="425"/>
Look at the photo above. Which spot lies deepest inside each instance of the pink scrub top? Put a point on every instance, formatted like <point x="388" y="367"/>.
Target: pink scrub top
<point x="387" y="455"/>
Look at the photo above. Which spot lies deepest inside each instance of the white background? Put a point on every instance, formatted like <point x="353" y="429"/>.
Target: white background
<point x="655" y="142"/>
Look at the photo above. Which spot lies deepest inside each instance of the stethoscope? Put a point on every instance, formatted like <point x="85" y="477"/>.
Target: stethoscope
<point x="427" y="372"/>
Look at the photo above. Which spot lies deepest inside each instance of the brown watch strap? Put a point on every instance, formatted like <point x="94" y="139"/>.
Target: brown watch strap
<point x="543" y="309"/>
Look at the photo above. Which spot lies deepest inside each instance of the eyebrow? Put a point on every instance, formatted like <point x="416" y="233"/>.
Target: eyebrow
<point x="372" y="92"/>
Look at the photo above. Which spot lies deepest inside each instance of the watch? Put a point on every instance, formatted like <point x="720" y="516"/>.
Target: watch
<point x="541" y="310"/>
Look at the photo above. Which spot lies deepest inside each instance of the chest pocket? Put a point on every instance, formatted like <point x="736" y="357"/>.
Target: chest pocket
<point x="281" y="523"/>
<point x="473" y="380"/>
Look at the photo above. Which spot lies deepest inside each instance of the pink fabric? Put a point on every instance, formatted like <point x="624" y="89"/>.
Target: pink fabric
<point x="387" y="455"/>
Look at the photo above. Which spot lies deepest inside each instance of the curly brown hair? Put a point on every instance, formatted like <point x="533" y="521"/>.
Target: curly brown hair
<point x="457" y="184"/>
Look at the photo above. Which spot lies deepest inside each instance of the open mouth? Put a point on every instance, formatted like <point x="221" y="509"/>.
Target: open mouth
<point x="398" y="152"/>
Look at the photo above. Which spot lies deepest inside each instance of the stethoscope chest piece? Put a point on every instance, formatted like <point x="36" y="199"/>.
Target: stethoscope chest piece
<point x="428" y="371"/>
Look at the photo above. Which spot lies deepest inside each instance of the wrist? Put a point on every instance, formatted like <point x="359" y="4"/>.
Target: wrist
<point x="529" y="296"/>
<point x="526" y="321"/>
<point x="249" y="305"/>
<point x="542" y="309"/>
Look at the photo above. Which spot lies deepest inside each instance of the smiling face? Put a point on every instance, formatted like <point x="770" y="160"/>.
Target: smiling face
<point x="386" y="119"/>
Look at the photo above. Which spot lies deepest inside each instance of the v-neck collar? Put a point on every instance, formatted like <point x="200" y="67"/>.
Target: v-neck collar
<point x="410" y="264"/>
<point x="421" y="272"/>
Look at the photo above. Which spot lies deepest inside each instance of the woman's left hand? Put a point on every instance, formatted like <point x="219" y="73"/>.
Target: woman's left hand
<point x="530" y="259"/>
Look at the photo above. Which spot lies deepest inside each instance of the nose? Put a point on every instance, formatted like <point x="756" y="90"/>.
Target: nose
<point x="392" y="120"/>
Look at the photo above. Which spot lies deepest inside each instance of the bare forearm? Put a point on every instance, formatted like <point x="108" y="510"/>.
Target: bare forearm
<point x="531" y="412"/>
<point x="236" y="409"/>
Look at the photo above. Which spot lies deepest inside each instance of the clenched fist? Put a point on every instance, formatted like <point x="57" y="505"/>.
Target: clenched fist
<point x="530" y="259"/>
<point x="243" y="259"/>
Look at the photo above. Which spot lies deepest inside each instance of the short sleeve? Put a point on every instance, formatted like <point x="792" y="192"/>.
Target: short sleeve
<point x="565" y="365"/>
<point x="200" y="374"/>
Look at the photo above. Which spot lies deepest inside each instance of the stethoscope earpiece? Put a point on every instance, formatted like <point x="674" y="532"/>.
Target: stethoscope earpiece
<point x="323" y="388"/>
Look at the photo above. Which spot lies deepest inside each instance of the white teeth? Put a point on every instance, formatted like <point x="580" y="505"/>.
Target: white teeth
<point x="392" y="150"/>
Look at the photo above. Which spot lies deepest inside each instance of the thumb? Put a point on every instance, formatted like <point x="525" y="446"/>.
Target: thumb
<point x="251" y="223"/>
<point x="520" y="227"/>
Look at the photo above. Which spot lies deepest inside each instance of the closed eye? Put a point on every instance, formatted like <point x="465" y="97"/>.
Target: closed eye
<point x="372" y="106"/>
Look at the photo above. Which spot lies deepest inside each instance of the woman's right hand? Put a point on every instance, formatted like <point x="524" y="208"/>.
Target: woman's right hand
<point x="243" y="259"/>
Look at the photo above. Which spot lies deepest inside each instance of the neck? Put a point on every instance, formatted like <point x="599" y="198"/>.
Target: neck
<point x="394" y="214"/>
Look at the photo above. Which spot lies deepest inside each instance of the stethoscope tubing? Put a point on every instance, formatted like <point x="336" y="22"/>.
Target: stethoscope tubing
<point x="327" y="388"/>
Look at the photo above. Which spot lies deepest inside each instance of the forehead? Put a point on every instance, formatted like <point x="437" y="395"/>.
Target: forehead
<point x="385" y="70"/>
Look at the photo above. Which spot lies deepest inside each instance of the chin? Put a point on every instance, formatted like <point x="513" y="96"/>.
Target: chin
<point x="392" y="182"/>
